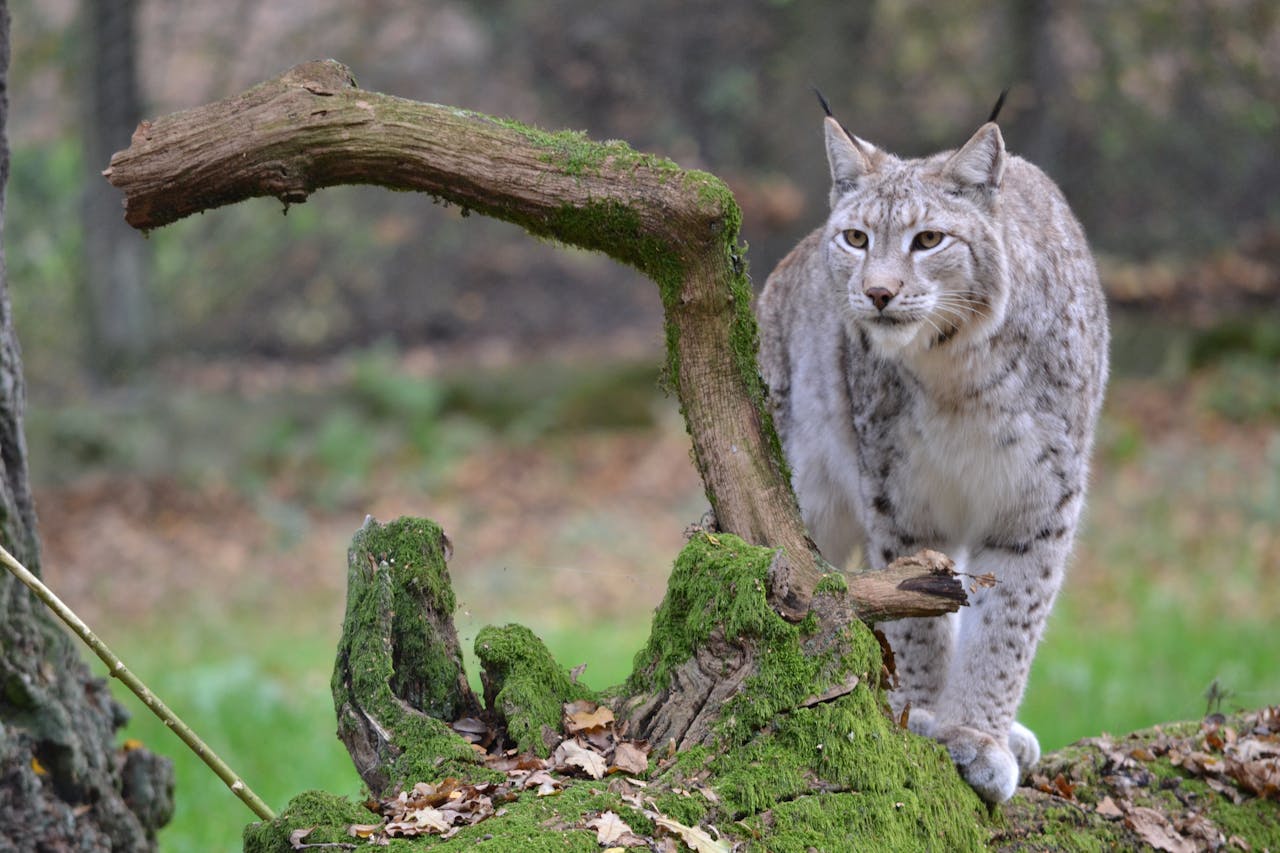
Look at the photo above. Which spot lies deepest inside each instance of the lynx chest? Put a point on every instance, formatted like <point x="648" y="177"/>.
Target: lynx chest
<point x="960" y="473"/>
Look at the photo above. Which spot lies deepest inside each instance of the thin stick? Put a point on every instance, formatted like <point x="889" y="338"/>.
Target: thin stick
<point x="120" y="671"/>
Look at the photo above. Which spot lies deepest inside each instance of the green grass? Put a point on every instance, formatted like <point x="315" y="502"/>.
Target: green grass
<point x="1156" y="668"/>
<point x="256" y="689"/>
<point x="258" y="693"/>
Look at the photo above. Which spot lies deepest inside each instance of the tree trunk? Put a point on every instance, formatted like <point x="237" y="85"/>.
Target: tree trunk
<point x="64" y="782"/>
<point x="1036" y="64"/>
<point x="118" y="312"/>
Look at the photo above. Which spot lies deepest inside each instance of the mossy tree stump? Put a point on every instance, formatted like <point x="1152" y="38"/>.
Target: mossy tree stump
<point x="398" y="678"/>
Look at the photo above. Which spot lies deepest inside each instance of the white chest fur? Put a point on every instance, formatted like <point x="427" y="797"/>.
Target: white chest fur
<point x="964" y="473"/>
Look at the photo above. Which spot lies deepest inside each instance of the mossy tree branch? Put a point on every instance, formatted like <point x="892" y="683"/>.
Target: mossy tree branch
<point x="312" y="128"/>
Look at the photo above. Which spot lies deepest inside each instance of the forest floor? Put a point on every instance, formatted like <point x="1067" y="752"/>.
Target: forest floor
<point x="201" y="526"/>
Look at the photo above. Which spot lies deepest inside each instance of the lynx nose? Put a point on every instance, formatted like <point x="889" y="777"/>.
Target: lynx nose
<point x="879" y="296"/>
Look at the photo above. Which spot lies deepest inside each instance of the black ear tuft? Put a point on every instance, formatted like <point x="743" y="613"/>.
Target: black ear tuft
<point x="826" y="108"/>
<point x="995" y="111"/>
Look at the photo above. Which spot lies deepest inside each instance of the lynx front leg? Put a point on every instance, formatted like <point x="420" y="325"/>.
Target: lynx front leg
<point x="998" y="635"/>
<point x="922" y="657"/>
<point x="922" y="647"/>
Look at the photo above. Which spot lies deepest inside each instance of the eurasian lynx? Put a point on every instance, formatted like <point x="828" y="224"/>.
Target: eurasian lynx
<point x="936" y="355"/>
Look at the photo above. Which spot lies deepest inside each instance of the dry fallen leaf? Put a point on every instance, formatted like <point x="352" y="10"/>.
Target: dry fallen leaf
<point x="581" y="719"/>
<point x="512" y="763"/>
<point x="609" y="827"/>
<point x="1063" y="788"/>
<point x="570" y="753"/>
<point x="416" y="821"/>
<point x="1108" y="809"/>
<point x="693" y="836"/>
<point x="1155" y="829"/>
<point x="632" y="757"/>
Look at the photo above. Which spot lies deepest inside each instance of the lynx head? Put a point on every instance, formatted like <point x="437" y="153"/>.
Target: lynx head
<point x="914" y="247"/>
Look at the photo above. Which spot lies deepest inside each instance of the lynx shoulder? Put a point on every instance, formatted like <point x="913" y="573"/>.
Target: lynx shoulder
<point x="936" y="355"/>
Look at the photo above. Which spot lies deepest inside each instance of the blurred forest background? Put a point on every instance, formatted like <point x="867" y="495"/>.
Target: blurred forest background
<point x="214" y="408"/>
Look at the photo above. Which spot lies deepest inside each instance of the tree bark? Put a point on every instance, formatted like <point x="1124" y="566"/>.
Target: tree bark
<point x="64" y="782"/>
<point x="118" y="312"/>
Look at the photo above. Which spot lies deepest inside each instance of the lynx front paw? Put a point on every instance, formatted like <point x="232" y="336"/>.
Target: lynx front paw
<point x="1025" y="748"/>
<point x="987" y="765"/>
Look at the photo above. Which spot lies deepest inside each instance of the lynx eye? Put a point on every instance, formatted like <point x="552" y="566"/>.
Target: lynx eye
<point x="926" y="240"/>
<point x="854" y="238"/>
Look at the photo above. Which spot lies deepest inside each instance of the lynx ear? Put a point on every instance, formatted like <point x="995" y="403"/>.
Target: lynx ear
<point x="980" y="163"/>
<point x="851" y="158"/>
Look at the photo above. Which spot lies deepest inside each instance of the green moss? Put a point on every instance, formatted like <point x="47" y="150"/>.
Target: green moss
<point x="688" y="808"/>
<point x="328" y="813"/>
<point x="1035" y="822"/>
<point x="530" y="823"/>
<point x="774" y="755"/>
<point x="615" y="229"/>
<point x="634" y="818"/>
<point x="426" y="673"/>
<point x="1257" y="821"/>
<point x="719" y="583"/>
<point x="892" y="786"/>
<point x="832" y="583"/>
<point x="409" y="570"/>
<point x="690" y="761"/>
<point x="524" y="684"/>
<point x="573" y="153"/>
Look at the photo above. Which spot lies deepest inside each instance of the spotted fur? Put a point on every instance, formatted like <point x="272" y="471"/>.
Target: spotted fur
<point x="944" y="397"/>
